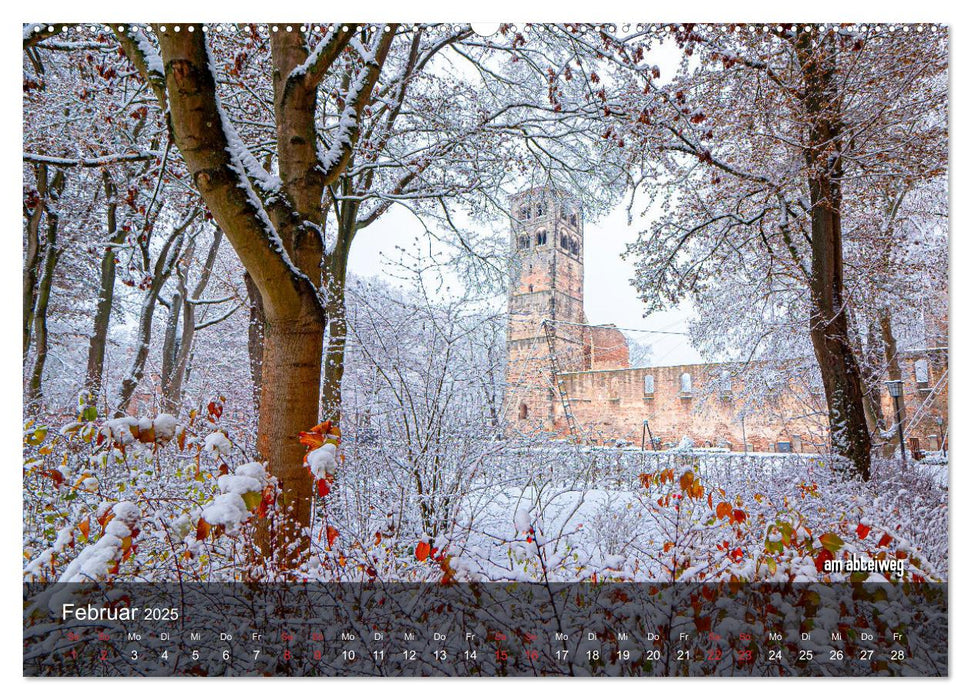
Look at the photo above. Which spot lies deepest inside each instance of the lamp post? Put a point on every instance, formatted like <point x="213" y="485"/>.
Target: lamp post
<point x="744" y="437"/>
<point x="940" y="434"/>
<point x="645" y="432"/>
<point x="896" y="389"/>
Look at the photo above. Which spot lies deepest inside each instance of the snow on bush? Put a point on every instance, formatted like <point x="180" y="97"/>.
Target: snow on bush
<point x="97" y="561"/>
<point x="157" y="496"/>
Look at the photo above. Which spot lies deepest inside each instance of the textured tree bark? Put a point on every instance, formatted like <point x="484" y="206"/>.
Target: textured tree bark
<point x="829" y="329"/>
<point x="331" y="395"/>
<point x="288" y="405"/>
<point x="170" y="351"/>
<point x="97" y="344"/>
<point x="871" y="364"/>
<point x="32" y="255"/>
<point x="44" y="286"/>
<point x="177" y="352"/>
<point x="254" y="345"/>
<point x="163" y="269"/>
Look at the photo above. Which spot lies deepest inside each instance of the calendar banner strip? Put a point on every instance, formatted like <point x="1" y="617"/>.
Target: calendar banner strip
<point x="490" y="629"/>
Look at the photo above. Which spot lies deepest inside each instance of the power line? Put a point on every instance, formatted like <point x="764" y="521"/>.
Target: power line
<point x="616" y="328"/>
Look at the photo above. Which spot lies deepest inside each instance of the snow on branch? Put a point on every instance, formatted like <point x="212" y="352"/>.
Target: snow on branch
<point x="314" y="69"/>
<point x="91" y="162"/>
<point x="146" y="59"/>
<point x="333" y="160"/>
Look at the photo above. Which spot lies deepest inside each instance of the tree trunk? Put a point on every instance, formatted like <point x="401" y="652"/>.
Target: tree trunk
<point x="44" y="286"/>
<point x="163" y="269"/>
<point x="331" y="395"/>
<point x="179" y="351"/>
<point x="254" y="345"/>
<point x="289" y="404"/>
<point x="94" y="376"/>
<point x="828" y="319"/>
<point x="32" y="256"/>
<point x="170" y="353"/>
<point x="872" y="367"/>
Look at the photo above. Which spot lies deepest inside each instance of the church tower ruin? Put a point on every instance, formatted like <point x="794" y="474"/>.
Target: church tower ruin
<point x="546" y="239"/>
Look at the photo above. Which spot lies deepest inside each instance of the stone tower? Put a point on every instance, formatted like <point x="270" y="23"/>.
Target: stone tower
<point x="546" y="282"/>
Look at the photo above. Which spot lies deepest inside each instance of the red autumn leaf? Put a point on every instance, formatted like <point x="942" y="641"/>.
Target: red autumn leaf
<point x="202" y="529"/>
<point x="322" y="488"/>
<point x="422" y="551"/>
<point x="820" y="559"/>
<point x="885" y="540"/>
<point x="862" y="531"/>
<point x="267" y="501"/>
<point x="55" y="476"/>
<point x="331" y="535"/>
<point x="105" y="519"/>
<point x="738" y="515"/>
<point x="710" y="504"/>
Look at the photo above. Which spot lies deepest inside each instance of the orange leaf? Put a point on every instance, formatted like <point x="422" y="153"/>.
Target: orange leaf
<point x="85" y="527"/>
<point x="724" y="509"/>
<point x="422" y="551"/>
<point x="686" y="480"/>
<point x="331" y="535"/>
<point x="862" y="531"/>
<point x="312" y="440"/>
<point x="202" y="529"/>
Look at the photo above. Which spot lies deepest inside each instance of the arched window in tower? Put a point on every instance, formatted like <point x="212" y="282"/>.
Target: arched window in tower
<point x="574" y="246"/>
<point x="523" y="411"/>
<point x="541" y="237"/>
<point x="523" y="242"/>
<point x="525" y="213"/>
<point x="540" y="209"/>
<point x="573" y="220"/>
<point x="564" y="242"/>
